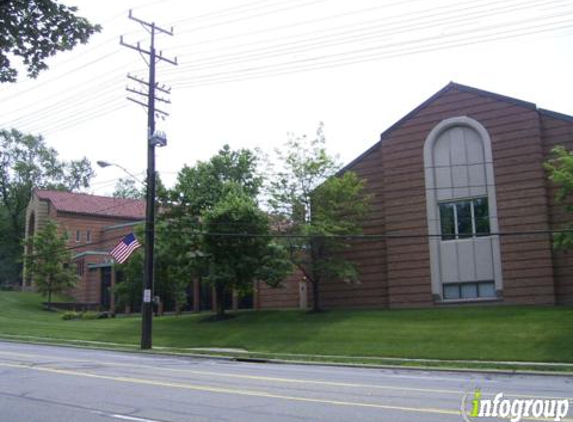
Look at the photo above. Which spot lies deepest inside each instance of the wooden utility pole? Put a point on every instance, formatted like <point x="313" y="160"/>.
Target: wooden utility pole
<point x="153" y="138"/>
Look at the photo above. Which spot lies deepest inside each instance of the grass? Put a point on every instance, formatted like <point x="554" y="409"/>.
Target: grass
<point x="504" y="333"/>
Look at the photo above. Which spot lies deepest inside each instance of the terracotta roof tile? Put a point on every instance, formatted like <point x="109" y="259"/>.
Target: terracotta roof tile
<point x="83" y="203"/>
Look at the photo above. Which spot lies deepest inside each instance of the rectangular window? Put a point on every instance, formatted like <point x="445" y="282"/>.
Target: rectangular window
<point x="464" y="219"/>
<point x="78" y="236"/>
<point x="447" y="221"/>
<point x="80" y="268"/>
<point x="88" y="236"/>
<point x="480" y="289"/>
<point x="481" y="216"/>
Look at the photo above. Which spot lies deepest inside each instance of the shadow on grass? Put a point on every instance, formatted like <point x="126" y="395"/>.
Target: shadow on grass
<point x="218" y="318"/>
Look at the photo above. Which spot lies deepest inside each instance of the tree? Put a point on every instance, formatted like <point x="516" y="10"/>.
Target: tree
<point x="238" y="247"/>
<point x="198" y="189"/>
<point x="127" y="189"/>
<point x="26" y="162"/>
<point x="179" y="252"/>
<point x="560" y="168"/>
<point x="35" y="30"/>
<point x="317" y="207"/>
<point x="48" y="263"/>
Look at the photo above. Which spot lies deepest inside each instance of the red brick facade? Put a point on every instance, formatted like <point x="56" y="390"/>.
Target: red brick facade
<point x="396" y="271"/>
<point x="94" y="225"/>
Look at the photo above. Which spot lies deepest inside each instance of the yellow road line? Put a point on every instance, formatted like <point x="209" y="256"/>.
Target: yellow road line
<point x="274" y="379"/>
<point x="250" y="393"/>
<point x="242" y="392"/>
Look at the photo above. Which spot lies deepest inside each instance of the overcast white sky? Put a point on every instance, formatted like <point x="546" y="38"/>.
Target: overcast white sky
<point x="250" y="71"/>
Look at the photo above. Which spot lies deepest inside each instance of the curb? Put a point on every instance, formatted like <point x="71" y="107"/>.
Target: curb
<point x="122" y="348"/>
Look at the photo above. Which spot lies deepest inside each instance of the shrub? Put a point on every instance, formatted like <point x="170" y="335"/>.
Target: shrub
<point x="90" y="315"/>
<point x="69" y="315"/>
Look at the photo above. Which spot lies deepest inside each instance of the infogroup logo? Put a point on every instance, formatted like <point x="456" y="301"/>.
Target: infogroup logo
<point x="515" y="409"/>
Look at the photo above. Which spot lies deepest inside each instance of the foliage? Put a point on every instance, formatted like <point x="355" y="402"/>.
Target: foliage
<point x="243" y="253"/>
<point x="179" y="249"/>
<point x="48" y="262"/>
<point x="127" y="188"/>
<point x="560" y="168"/>
<point x="87" y="315"/>
<point x="200" y="187"/>
<point x="130" y="289"/>
<point x="310" y="200"/>
<point x="71" y="315"/>
<point x="26" y="162"/>
<point x="34" y="30"/>
<point x="170" y="276"/>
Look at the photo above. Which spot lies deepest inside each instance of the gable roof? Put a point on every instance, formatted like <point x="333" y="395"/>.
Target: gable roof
<point x="451" y="87"/>
<point x="94" y="205"/>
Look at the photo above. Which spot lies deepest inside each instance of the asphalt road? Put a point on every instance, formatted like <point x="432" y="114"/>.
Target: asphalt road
<point x="58" y="384"/>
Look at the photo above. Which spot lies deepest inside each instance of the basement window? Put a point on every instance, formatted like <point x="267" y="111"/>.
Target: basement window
<point x="475" y="290"/>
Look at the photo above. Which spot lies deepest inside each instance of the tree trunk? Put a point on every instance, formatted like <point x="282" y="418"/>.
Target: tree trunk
<point x="315" y="275"/>
<point x="49" y="299"/>
<point x="315" y="296"/>
<point x="220" y="290"/>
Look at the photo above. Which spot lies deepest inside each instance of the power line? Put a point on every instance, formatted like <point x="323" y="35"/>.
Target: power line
<point x="377" y="236"/>
<point x="66" y="124"/>
<point x="364" y="33"/>
<point x="68" y="105"/>
<point x="390" y="24"/>
<point x="352" y="57"/>
<point x="232" y="21"/>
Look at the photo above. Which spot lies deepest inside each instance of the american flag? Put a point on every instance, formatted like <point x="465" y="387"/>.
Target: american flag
<point x="124" y="248"/>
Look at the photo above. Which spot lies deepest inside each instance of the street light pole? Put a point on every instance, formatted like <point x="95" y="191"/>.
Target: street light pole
<point x="104" y="164"/>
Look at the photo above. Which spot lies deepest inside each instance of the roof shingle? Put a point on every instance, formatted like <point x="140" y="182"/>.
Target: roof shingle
<point x="83" y="203"/>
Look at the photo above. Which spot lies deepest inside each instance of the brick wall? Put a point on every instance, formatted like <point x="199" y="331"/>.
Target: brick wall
<point x="395" y="172"/>
<point x="283" y="297"/>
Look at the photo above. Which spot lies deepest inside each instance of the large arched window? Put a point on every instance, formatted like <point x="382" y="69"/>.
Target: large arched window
<point x="462" y="212"/>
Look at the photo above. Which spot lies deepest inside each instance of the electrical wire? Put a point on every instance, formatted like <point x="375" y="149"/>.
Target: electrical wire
<point x="369" y="54"/>
<point x="391" y="25"/>
<point x="453" y="40"/>
<point x="311" y="44"/>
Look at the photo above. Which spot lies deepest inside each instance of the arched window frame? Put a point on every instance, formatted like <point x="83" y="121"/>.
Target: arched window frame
<point x="432" y="211"/>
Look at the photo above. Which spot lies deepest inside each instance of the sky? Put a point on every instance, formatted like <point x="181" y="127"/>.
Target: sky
<point x="252" y="71"/>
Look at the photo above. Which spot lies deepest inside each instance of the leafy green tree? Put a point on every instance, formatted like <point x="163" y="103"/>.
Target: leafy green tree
<point x="26" y="162"/>
<point x="128" y="189"/>
<point x="198" y="189"/>
<point x="560" y="168"/>
<point x="34" y="30"/>
<point x="317" y="207"/>
<point x="130" y="290"/>
<point x="48" y="263"/>
<point x="238" y="246"/>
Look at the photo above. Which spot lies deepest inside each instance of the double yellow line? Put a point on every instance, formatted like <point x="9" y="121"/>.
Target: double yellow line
<point x="238" y="391"/>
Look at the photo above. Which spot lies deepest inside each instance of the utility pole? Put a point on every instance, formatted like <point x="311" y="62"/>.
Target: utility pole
<point x="153" y="138"/>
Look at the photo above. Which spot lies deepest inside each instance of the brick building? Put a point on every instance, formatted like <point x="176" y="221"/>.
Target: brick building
<point x="459" y="192"/>
<point x="94" y="225"/>
<point x="462" y="167"/>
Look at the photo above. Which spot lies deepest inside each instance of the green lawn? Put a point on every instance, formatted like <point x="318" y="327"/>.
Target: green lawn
<point x="538" y="334"/>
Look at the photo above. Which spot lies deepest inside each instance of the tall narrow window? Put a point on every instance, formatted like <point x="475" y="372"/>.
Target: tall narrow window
<point x="88" y="236"/>
<point x="78" y="236"/>
<point x="461" y="212"/>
